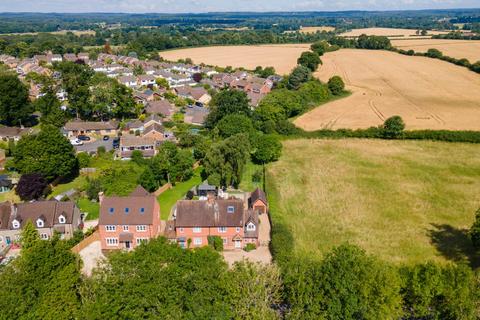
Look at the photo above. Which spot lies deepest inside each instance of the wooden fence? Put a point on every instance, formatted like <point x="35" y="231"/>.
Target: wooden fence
<point x="162" y="189"/>
<point x="86" y="242"/>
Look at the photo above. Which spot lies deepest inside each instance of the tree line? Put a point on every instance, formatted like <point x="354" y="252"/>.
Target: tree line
<point x="162" y="280"/>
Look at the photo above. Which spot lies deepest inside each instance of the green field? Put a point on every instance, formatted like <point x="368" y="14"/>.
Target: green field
<point x="170" y="197"/>
<point x="405" y="201"/>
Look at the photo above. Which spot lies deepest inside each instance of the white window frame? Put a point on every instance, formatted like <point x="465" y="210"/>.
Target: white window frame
<point x="110" y="228"/>
<point x="62" y="219"/>
<point x="16" y="224"/>
<point x="180" y="230"/>
<point x="197" y="230"/>
<point x="40" y="223"/>
<point x="222" y="229"/>
<point x="141" y="228"/>
<point x="251" y="227"/>
<point x="230" y="209"/>
<point x="139" y="241"/>
<point x="43" y="236"/>
<point x="197" y="241"/>
<point x="125" y="227"/>
<point x="111" y="242"/>
<point x="225" y="241"/>
<point x="237" y="229"/>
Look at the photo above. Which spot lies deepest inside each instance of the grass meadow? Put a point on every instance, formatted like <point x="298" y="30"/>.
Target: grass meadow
<point x="405" y="201"/>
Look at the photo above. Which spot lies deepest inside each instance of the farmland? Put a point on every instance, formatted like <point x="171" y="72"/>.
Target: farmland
<point x="426" y="93"/>
<point x="315" y="29"/>
<point x="406" y="201"/>
<point x="388" y="32"/>
<point x="469" y="49"/>
<point x="282" y="57"/>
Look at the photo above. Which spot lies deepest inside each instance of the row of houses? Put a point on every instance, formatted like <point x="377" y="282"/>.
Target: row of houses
<point x="48" y="217"/>
<point x="126" y="222"/>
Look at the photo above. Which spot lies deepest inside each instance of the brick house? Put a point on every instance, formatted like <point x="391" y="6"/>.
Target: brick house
<point x="78" y="127"/>
<point x="233" y="220"/>
<point x="126" y="222"/>
<point x="48" y="217"/>
<point x="130" y="143"/>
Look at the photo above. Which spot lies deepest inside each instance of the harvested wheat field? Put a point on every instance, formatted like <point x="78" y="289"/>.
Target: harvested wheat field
<point x="469" y="49"/>
<point x="427" y="93"/>
<point x="282" y="57"/>
<point x="405" y="201"/>
<point x="389" y="32"/>
<point x="315" y="29"/>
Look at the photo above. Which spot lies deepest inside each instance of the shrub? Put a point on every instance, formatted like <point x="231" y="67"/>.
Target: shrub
<point x="393" y="127"/>
<point x="474" y="232"/>
<point x="216" y="243"/>
<point x="434" y="53"/>
<point x="257" y="176"/>
<point x="336" y="85"/>
<point x="83" y="160"/>
<point x="32" y="186"/>
<point x="101" y="150"/>
<point x="249" y="247"/>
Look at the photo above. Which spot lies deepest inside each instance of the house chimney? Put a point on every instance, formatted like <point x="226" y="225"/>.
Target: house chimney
<point x="101" y="196"/>
<point x="210" y="198"/>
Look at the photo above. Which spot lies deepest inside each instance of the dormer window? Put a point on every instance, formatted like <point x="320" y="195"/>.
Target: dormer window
<point x="111" y="210"/>
<point x="142" y="210"/>
<point x="230" y="209"/>
<point x="40" y="223"/>
<point x="251" y="227"/>
<point x="62" y="219"/>
<point x="127" y="210"/>
<point x="15" y="224"/>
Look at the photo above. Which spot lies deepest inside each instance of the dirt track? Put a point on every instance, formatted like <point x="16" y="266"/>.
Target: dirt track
<point x="426" y="93"/>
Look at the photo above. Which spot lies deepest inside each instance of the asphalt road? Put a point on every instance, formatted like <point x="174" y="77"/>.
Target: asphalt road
<point x="90" y="147"/>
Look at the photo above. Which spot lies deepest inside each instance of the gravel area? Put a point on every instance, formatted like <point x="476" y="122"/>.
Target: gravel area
<point x="261" y="254"/>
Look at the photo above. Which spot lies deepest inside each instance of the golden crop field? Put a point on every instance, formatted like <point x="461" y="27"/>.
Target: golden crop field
<point x="427" y="93"/>
<point x="469" y="49"/>
<point x="389" y="32"/>
<point x="315" y="29"/>
<point x="282" y="57"/>
<point x="405" y="201"/>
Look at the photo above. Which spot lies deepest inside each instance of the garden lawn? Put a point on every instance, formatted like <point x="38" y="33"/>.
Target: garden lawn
<point x="168" y="199"/>
<point x="247" y="183"/>
<point x="93" y="208"/>
<point x="405" y="201"/>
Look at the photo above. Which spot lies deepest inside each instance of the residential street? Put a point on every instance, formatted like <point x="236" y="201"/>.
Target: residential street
<point x="90" y="147"/>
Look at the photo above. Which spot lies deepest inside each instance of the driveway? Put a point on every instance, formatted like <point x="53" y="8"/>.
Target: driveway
<point x="91" y="147"/>
<point x="91" y="255"/>
<point x="261" y="254"/>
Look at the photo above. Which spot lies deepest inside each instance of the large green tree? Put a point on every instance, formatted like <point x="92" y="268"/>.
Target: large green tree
<point x="309" y="59"/>
<point x="347" y="284"/>
<point x="226" y="160"/>
<point x="48" y="153"/>
<point x="267" y="149"/>
<point x="227" y="102"/>
<point x="299" y="75"/>
<point x="15" y="107"/>
<point x="233" y="124"/>
<point x="43" y="282"/>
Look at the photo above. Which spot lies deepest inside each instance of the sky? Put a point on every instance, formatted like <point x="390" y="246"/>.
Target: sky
<point x="196" y="6"/>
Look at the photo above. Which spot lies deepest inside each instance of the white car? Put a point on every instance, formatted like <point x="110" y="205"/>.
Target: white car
<point x="76" y="142"/>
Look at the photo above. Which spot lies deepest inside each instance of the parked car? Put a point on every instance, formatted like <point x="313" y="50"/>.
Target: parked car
<point x="6" y="260"/>
<point x="116" y="143"/>
<point x="83" y="137"/>
<point x="76" y="142"/>
<point x="105" y="138"/>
